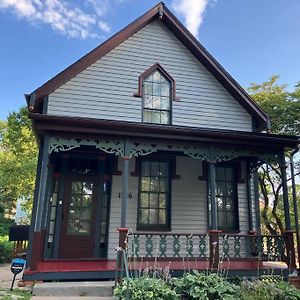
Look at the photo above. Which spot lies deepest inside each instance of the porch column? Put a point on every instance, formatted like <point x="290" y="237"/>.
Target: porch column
<point x="295" y="205"/>
<point x="38" y="230"/>
<point x="34" y="208"/>
<point x="285" y="195"/>
<point x="125" y="178"/>
<point x="212" y="190"/>
<point x="249" y="197"/>
<point x="256" y="201"/>
<point x="289" y="236"/>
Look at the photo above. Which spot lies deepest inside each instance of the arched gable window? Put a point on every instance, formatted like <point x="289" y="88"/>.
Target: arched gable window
<point x="157" y="89"/>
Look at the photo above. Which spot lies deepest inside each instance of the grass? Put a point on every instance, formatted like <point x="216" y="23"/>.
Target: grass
<point x="16" y="294"/>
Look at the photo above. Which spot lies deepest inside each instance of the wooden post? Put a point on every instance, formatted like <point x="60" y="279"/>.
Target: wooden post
<point x="34" y="208"/>
<point x="122" y="245"/>
<point x="214" y="248"/>
<point x="38" y="249"/>
<point x="125" y="178"/>
<point x="290" y="248"/>
<point x="253" y="250"/>
<point x="249" y="197"/>
<point x="123" y="237"/>
<point x="212" y="190"/>
<point x="285" y="195"/>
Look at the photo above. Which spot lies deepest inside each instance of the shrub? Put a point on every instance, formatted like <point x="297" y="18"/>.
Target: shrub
<point x="260" y="290"/>
<point x="6" y="249"/>
<point x="145" y="288"/>
<point x="200" y="286"/>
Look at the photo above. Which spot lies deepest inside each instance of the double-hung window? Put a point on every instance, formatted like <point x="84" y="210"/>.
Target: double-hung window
<point x="226" y="197"/>
<point x="154" y="195"/>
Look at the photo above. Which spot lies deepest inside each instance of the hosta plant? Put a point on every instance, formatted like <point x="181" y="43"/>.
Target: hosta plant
<point x="145" y="288"/>
<point x="199" y="286"/>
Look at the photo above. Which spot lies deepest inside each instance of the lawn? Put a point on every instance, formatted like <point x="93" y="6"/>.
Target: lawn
<point x="16" y="294"/>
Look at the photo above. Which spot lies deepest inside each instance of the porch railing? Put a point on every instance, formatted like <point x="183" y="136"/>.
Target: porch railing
<point x="212" y="247"/>
<point x="265" y="247"/>
<point x="167" y="245"/>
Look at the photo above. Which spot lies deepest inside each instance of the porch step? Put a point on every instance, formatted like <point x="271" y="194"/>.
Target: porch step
<point x="79" y="289"/>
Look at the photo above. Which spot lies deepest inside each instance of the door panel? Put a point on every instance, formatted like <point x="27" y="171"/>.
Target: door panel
<point x="79" y="214"/>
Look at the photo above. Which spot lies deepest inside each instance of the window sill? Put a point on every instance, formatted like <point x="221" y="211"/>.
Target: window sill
<point x="153" y="229"/>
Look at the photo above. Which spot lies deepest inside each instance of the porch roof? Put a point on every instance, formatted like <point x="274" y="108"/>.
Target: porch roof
<point x="76" y="126"/>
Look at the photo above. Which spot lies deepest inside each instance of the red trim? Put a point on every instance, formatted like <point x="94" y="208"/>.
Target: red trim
<point x="37" y="249"/>
<point x="110" y="265"/>
<point x="183" y="35"/>
<point x="149" y="71"/>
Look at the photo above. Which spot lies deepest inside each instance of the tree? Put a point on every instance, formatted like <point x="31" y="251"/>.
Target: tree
<point x="283" y="108"/>
<point x="18" y="159"/>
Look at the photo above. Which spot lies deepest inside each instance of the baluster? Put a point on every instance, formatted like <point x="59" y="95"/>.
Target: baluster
<point x="149" y="245"/>
<point x="270" y="246"/>
<point x="281" y="246"/>
<point x="162" y="246"/>
<point x="176" y="245"/>
<point x="259" y="245"/>
<point x="189" y="245"/>
<point x="136" y="245"/>
<point x="248" y="246"/>
<point x="225" y="246"/>
<point x="202" y="246"/>
<point x="237" y="246"/>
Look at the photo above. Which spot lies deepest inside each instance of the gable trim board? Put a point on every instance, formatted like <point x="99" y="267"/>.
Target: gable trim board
<point x="161" y="12"/>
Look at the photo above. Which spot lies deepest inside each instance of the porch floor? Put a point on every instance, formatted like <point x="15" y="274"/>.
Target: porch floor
<point x="105" y="269"/>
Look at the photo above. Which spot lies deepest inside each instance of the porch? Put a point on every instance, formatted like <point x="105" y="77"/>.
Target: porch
<point x="231" y="255"/>
<point x="190" y="238"/>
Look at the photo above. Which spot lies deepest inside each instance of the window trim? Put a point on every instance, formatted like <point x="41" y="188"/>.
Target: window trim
<point x="150" y="70"/>
<point x="155" y="227"/>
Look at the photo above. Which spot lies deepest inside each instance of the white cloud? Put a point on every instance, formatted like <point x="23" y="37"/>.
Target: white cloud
<point x="63" y="16"/>
<point x="104" y="26"/>
<point x="192" y="11"/>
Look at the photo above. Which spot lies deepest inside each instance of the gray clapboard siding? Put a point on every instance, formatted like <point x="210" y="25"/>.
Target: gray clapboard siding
<point x="188" y="203"/>
<point x="105" y="89"/>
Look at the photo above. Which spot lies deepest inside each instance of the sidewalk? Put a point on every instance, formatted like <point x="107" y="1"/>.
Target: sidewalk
<point x="6" y="276"/>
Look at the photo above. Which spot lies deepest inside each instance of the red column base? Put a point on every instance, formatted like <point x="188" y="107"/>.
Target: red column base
<point x="37" y="249"/>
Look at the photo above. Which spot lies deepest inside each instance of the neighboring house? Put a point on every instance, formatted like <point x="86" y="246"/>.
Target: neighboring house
<point x="149" y="132"/>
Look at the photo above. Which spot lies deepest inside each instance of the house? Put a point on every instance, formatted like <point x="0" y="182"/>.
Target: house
<point x="148" y="133"/>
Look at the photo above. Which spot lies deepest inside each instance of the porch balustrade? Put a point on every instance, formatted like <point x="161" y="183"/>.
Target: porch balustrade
<point x="212" y="247"/>
<point x="263" y="247"/>
<point x="167" y="245"/>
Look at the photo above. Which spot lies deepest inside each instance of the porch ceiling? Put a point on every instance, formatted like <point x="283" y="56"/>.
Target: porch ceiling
<point x="75" y="126"/>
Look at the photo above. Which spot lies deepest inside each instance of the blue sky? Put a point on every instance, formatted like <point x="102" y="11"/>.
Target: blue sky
<point x="252" y="39"/>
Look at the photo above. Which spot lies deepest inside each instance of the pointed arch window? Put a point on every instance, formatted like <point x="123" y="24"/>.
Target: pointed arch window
<point x="157" y="89"/>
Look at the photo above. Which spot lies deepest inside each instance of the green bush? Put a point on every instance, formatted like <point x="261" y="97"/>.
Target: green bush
<point x="200" y="286"/>
<point x="145" y="288"/>
<point x="5" y="225"/>
<point x="260" y="290"/>
<point x="6" y="249"/>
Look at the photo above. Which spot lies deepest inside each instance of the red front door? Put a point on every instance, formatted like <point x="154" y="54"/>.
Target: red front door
<point x="79" y="217"/>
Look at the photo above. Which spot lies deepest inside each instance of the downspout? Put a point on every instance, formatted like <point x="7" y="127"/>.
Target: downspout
<point x="295" y="203"/>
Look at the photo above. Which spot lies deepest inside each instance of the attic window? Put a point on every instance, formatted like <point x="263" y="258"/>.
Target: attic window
<point x="157" y="90"/>
<point x="157" y="99"/>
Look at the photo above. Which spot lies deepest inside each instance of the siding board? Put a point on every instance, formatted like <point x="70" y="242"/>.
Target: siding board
<point x="105" y="89"/>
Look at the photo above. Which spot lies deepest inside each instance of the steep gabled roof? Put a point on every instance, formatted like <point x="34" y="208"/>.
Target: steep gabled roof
<point x="161" y="12"/>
